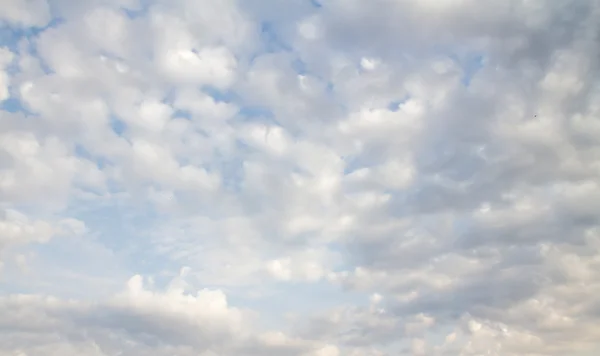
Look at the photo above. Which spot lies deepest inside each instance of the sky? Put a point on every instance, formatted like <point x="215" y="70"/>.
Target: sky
<point x="299" y="178"/>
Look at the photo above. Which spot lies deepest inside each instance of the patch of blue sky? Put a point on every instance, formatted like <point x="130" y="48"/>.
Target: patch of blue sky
<point x="352" y="164"/>
<point x="12" y="281"/>
<point x="13" y="67"/>
<point x="469" y="60"/>
<point x="68" y="267"/>
<point x="316" y="4"/>
<point x="113" y="226"/>
<point x="246" y="112"/>
<point x="100" y="164"/>
<point x="114" y="221"/>
<point x="179" y="114"/>
<point x="12" y="105"/>
<point x="233" y="173"/>
<point x="271" y="40"/>
<point x="369" y="157"/>
<point x="14" y="38"/>
<point x="343" y="248"/>
<point x="113" y="187"/>
<point x="82" y="152"/>
<point x="299" y="66"/>
<point x="141" y="11"/>
<point x="257" y="113"/>
<point x="225" y="96"/>
<point x="394" y="105"/>
<point x="330" y="87"/>
<point x="230" y="160"/>
<point x="471" y="66"/>
<point x="11" y="36"/>
<point x="146" y="259"/>
<point x="118" y="125"/>
<point x="274" y="43"/>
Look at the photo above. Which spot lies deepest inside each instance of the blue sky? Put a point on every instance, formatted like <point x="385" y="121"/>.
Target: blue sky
<point x="298" y="178"/>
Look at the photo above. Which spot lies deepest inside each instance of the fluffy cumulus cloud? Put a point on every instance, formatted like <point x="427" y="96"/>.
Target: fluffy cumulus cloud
<point x="299" y="178"/>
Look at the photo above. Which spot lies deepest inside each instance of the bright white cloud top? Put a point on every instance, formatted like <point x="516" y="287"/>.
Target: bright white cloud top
<point x="299" y="178"/>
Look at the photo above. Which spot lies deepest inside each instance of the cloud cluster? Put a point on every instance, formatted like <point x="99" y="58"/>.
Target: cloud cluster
<point x="308" y="178"/>
<point x="139" y="320"/>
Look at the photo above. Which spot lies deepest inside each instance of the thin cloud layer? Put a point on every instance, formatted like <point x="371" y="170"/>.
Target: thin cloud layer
<point x="329" y="178"/>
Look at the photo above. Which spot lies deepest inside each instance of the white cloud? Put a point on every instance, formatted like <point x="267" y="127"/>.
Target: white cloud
<point x="307" y="265"/>
<point x="339" y="177"/>
<point x="211" y="66"/>
<point x="159" y="322"/>
<point x="6" y="57"/>
<point x="17" y="230"/>
<point x="43" y="171"/>
<point x="26" y="13"/>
